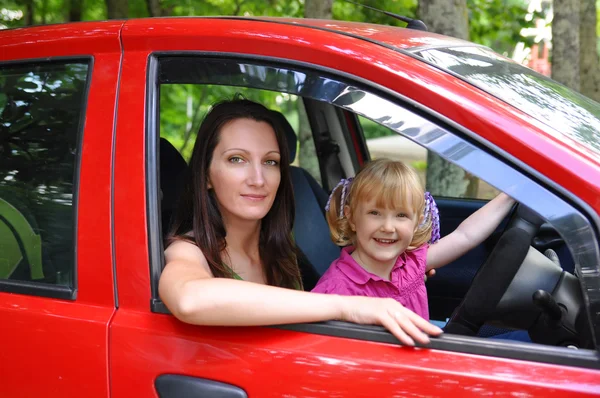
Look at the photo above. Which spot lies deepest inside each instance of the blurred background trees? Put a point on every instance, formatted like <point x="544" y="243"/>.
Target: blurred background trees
<point x="555" y="37"/>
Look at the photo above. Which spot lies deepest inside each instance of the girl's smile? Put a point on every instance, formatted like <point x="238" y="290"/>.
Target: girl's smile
<point x="386" y="242"/>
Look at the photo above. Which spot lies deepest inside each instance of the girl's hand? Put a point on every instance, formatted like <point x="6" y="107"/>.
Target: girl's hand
<point x="387" y="312"/>
<point x="429" y="274"/>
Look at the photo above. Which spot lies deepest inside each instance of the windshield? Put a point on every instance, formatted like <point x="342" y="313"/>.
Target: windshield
<point x="559" y="107"/>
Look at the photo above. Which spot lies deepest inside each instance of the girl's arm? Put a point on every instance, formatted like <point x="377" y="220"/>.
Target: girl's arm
<point x="194" y="296"/>
<point x="470" y="232"/>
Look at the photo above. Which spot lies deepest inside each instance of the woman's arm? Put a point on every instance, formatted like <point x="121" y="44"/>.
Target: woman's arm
<point x="470" y="232"/>
<point x="192" y="295"/>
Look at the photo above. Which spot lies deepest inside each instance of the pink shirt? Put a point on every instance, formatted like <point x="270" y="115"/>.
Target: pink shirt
<point x="406" y="285"/>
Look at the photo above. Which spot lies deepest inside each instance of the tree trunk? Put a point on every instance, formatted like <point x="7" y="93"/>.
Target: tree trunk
<point x="446" y="17"/>
<point x="589" y="62"/>
<point x="117" y="9"/>
<point x="29" y="13"/>
<point x="44" y="12"/>
<point x="566" y="45"/>
<point x="154" y="8"/>
<point x="318" y="9"/>
<point x="445" y="179"/>
<point x="307" y="157"/>
<point x="75" y="10"/>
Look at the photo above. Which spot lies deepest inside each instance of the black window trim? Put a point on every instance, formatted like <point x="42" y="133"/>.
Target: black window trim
<point x="153" y="211"/>
<point x="46" y="289"/>
<point x="472" y="345"/>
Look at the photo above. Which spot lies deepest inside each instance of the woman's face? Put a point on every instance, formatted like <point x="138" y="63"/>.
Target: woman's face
<point x="244" y="171"/>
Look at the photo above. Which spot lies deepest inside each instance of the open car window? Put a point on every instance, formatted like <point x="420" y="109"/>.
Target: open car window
<point x="359" y="98"/>
<point x="386" y="143"/>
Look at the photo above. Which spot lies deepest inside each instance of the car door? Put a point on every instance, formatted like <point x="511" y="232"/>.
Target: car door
<point x="152" y="353"/>
<point x="58" y="88"/>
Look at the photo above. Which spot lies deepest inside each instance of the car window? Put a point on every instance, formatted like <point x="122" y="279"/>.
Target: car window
<point x="385" y="143"/>
<point x="41" y="107"/>
<point x="394" y="116"/>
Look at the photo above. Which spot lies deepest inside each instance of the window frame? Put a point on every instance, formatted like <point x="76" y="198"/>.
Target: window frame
<point x="46" y="289"/>
<point x="459" y="134"/>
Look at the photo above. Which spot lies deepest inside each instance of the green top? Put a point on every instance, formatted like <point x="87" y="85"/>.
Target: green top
<point x="239" y="278"/>
<point x="235" y="275"/>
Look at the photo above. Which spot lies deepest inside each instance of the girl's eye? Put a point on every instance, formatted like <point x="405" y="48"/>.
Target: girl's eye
<point x="236" y="159"/>
<point x="374" y="212"/>
<point x="402" y="215"/>
<point x="272" y="162"/>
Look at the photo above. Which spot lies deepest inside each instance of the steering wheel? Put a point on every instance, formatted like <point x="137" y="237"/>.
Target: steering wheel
<point x="494" y="277"/>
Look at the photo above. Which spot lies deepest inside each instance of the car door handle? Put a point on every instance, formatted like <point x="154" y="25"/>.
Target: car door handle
<point x="178" y="386"/>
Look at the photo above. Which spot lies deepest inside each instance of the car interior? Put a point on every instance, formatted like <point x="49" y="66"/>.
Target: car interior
<point x="485" y="293"/>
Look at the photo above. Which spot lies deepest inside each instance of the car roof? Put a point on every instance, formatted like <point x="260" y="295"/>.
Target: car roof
<point x="395" y="37"/>
<point x="391" y="36"/>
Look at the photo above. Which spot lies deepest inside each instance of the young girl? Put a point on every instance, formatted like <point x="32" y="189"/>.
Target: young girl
<point x="390" y="229"/>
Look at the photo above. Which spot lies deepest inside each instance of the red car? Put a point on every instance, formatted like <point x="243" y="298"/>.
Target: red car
<point x="92" y="147"/>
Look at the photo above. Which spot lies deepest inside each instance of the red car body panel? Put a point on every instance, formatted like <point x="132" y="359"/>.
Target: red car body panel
<point x="120" y="352"/>
<point x="57" y="347"/>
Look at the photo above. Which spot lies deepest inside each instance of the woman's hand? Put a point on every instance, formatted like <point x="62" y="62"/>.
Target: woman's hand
<point x="400" y="321"/>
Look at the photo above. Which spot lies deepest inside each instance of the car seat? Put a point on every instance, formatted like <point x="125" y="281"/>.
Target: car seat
<point x="311" y="231"/>
<point x="172" y="169"/>
<point x="20" y="243"/>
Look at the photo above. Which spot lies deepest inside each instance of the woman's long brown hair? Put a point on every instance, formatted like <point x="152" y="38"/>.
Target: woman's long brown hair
<point x="198" y="209"/>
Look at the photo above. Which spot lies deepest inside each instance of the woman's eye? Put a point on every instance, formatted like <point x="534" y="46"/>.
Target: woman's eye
<point x="236" y="159"/>
<point x="272" y="162"/>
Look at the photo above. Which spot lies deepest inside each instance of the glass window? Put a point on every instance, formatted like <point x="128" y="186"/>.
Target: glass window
<point x="438" y="176"/>
<point x="569" y="113"/>
<point x="40" y="119"/>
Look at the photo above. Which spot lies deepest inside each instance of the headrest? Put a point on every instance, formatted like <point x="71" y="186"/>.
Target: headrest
<point x="290" y="134"/>
<point x="172" y="165"/>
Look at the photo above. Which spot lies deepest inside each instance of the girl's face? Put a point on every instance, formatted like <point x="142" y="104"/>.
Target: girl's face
<point x="382" y="234"/>
<point x="244" y="171"/>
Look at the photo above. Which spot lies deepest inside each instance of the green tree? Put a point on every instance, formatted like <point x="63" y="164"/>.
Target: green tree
<point x="448" y="18"/>
<point x="498" y="23"/>
<point x="575" y="61"/>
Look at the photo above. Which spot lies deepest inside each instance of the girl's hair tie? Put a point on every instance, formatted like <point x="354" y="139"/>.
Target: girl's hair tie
<point x="432" y="213"/>
<point x="344" y="183"/>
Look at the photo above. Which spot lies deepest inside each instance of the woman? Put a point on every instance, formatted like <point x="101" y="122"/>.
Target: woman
<point x="231" y="260"/>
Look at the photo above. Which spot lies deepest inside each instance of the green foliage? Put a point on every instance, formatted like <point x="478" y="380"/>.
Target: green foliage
<point x="498" y="23"/>
<point x="13" y="15"/>
<point x="183" y="107"/>
<point x="350" y="12"/>
<point x="372" y="129"/>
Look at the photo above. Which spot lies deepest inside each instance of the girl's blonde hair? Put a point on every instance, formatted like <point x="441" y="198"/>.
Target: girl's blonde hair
<point x="393" y="184"/>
